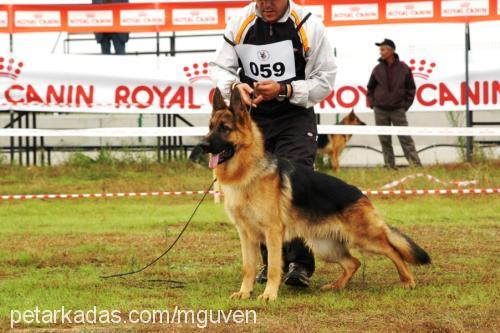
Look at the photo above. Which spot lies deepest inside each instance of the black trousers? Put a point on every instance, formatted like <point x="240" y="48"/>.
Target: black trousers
<point x="118" y="44"/>
<point x="291" y="135"/>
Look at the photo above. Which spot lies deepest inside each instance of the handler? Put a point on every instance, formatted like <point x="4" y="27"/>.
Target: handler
<point x="278" y="55"/>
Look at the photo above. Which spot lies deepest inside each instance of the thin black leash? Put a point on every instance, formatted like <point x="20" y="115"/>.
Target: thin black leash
<point x="364" y="268"/>
<point x="171" y="245"/>
<point x="252" y="96"/>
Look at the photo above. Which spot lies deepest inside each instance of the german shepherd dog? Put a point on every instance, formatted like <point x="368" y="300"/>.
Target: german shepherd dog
<point x="333" y="144"/>
<point x="271" y="200"/>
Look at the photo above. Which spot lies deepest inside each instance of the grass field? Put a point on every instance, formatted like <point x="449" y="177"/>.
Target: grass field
<point x="52" y="253"/>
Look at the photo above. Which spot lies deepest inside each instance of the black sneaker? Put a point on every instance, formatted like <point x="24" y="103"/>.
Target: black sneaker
<point x="296" y="276"/>
<point x="262" y="275"/>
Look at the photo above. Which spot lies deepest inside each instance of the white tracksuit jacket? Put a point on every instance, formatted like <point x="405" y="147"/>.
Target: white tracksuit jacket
<point x="320" y="67"/>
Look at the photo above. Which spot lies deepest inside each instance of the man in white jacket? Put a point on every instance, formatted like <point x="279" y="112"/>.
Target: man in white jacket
<point x="277" y="54"/>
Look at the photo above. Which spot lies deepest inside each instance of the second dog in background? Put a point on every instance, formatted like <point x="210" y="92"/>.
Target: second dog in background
<point x="333" y="144"/>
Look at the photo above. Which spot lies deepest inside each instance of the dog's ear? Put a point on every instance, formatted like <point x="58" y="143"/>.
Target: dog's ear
<point x="352" y="115"/>
<point x="236" y="103"/>
<point x="218" y="101"/>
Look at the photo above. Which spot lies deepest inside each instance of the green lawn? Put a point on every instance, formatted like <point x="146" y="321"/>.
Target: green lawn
<point x="52" y="253"/>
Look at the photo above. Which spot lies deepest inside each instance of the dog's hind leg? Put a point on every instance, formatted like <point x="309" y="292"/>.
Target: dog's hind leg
<point x="366" y="229"/>
<point x="373" y="238"/>
<point x="335" y="251"/>
<point x="381" y="245"/>
<point x="350" y="265"/>
<point x="249" y="250"/>
<point x="335" y="161"/>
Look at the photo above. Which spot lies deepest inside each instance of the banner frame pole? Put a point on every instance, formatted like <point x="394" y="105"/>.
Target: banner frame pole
<point x="468" y="112"/>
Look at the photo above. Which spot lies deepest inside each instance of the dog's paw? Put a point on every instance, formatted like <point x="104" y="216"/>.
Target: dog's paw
<point x="240" y="295"/>
<point x="331" y="286"/>
<point x="268" y="296"/>
<point x="410" y="284"/>
<point x="337" y="285"/>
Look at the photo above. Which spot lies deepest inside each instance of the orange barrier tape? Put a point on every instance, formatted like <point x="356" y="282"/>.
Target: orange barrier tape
<point x="156" y="17"/>
<point x="185" y="193"/>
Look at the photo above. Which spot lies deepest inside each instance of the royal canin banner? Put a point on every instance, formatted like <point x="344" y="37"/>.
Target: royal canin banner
<point x="181" y="84"/>
<point x="180" y="16"/>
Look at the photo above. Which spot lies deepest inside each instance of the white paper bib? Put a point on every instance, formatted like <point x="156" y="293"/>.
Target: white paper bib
<point x="274" y="61"/>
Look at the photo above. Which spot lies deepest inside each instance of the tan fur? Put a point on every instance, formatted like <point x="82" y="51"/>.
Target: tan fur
<point x="402" y="246"/>
<point x="261" y="208"/>
<point x="337" y="142"/>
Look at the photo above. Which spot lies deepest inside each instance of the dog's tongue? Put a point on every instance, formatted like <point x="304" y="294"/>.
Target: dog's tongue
<point x="214" y="161"/>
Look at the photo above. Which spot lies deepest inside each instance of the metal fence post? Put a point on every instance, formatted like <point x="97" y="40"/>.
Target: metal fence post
<point x="468" y="112"/>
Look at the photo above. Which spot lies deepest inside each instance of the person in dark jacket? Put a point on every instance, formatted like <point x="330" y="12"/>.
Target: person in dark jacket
<point x="119" y="39"/>
<point x="391" y="91"/>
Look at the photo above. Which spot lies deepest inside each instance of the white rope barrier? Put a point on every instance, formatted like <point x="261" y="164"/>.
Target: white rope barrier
<point x="202" y="130"/>
<point x="459" y="183"/>
<point x="12" y="197"/>
<point x="405" y="130"/>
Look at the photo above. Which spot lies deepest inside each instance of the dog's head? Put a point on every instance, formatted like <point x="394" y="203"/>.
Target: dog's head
<point x="229" y="128"/>
<point x="351" y="119"/>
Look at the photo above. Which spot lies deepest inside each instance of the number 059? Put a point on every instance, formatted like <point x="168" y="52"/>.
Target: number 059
<point x="267" y="70"/>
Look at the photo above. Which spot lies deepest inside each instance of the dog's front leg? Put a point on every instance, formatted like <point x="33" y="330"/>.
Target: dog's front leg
<point x="249" y="250"/>
<point x="274" y="243"/>
<point x="335" y="160"/>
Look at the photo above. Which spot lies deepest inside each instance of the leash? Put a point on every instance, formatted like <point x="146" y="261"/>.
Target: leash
<point x="178" y="236"/>
<point x="363" y="259"/>
<point x="252" y="96"/>
<point x="171" y="245"/>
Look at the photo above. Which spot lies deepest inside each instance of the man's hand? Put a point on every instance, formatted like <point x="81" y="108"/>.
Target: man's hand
<point x="266" y="90"/>
<point x="245" y="92"/>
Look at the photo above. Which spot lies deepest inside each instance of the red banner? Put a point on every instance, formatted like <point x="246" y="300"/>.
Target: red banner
<point x="155" y="17"/>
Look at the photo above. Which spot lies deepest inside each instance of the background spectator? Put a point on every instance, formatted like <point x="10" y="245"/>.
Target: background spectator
<point x="391" y="91"/>
<point x="119" y="39"/>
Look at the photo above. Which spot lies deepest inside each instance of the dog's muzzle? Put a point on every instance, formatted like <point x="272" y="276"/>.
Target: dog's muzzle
<point x="219" y="154"/>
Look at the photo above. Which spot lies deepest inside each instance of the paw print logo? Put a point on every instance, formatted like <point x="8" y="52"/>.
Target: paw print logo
<point x="197" y="72"/>
<point x="422" y="68"/>
<point x="10" y="68"/>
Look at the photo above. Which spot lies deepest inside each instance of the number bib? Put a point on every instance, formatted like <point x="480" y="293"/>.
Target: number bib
<point x="274" y="61"/>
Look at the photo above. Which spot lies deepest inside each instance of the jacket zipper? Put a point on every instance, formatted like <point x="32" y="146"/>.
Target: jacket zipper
<point x="389" y="77"/>
<point x="270" y="30"/>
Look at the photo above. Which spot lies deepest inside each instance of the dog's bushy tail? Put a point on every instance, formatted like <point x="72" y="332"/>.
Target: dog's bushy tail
<point x="407" y="248"/>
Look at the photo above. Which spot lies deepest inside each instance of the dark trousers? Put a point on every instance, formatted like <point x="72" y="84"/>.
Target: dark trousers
<point x="396" y="118"/>
<point x="118" y="44"/>
<point x="291" y="136"/>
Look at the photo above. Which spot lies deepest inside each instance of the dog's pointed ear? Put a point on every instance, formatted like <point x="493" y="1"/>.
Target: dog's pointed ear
<point x="236" y="103"/>
<point x="352" y="115"/>
<point x="218" y="101"/>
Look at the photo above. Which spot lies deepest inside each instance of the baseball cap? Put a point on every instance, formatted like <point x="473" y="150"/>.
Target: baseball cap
<point x="387" y="42"/>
